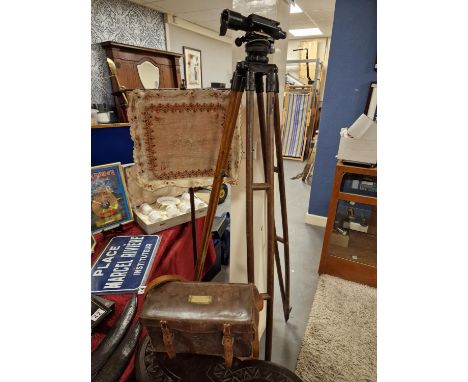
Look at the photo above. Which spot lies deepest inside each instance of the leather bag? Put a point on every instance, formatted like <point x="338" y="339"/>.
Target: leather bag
<point x="202" y="318"/>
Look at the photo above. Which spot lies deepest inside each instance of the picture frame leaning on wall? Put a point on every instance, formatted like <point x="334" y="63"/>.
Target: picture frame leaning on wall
<point x="192" y="67"/>
<point x="110" y="206"/>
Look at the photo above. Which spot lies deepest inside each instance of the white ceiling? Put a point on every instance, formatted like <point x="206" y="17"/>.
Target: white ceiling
<point x="316" y="13"/>
<point x="206" y="13"/>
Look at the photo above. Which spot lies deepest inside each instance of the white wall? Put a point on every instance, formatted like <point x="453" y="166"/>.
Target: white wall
<point x="216" y="56"/>
<point x="323" y="45"/>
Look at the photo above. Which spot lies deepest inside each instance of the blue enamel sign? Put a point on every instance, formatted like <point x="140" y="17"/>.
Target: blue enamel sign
<point x="124" y="264"/>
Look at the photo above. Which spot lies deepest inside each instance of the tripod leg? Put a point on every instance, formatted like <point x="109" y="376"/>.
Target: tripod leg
<point x="249" y="177"/>
<point x="284" y="216"/>
<point x="272" y="85"/>
<point x="261" y="117"/>
<point x="235" y="98"/>
<point x="194" y="226"/>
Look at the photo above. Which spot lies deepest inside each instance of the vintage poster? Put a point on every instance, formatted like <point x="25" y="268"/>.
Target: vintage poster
<point x="124" y="264"/>
<point x="109" y="203"/>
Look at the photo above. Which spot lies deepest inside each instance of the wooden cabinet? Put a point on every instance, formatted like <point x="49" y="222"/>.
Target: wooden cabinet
<point x="353" y="256"/>
<point x="127" y="58"/>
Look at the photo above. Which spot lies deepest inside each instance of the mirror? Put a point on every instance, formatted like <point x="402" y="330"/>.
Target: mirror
<point x="149" y="75"/>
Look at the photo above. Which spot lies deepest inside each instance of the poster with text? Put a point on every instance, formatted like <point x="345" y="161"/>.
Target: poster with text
<point x="124" y="265"/>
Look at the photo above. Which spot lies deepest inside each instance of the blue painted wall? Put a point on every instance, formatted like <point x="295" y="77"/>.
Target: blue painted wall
<point x="112" y="144"/>
<point x="350" y="71"/>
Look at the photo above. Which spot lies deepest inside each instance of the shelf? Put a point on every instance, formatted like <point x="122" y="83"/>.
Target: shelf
<point x="108" y="125"/>
<point x="354" y="169"/>
<point x="357" y="198"/>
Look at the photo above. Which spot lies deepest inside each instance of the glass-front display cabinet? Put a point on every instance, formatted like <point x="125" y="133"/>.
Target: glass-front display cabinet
<point x="350" y="242"/>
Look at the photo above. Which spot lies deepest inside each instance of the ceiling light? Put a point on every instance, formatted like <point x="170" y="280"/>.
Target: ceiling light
<point x="295" y="8"/>
<point x="305" y="32"/>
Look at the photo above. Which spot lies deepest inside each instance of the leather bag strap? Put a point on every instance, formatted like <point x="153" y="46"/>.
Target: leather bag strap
<point x="162" y="280"/>
<point x="227" y="343"/>
<point x="168" y="339"/>
<point x="255" y="345"/>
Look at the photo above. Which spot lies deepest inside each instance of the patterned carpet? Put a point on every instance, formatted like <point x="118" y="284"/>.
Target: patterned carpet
<point x="340" y="342"/>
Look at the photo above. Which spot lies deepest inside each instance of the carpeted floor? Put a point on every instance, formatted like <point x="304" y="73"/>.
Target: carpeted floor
<point x="340" y="342"/>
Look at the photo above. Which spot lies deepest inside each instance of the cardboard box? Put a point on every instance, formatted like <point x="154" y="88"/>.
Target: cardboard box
<point x="151" y="228"/>
<point x="358" y="227"/>
<point x="358" y="143"/>
<point x="138" y="195"/>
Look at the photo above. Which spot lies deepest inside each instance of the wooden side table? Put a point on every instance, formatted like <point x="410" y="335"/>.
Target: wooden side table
<point x="357" y="260"/>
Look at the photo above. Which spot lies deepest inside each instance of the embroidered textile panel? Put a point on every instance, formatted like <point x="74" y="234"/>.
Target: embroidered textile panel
<point x="177" y="136"/>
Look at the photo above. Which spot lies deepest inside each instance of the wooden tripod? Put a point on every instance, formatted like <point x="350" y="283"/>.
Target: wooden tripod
<point x="249" y="77"/>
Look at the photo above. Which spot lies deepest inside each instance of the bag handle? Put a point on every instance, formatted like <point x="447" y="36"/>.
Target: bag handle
<point x="227" y="344"/>
<point x="162" y="280"/>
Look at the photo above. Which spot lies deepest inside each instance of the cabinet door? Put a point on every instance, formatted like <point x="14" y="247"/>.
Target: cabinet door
<point x="350" y="243"/>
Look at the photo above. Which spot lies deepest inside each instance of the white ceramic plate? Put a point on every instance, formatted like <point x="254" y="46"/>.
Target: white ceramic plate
<point x="168" y="201"/>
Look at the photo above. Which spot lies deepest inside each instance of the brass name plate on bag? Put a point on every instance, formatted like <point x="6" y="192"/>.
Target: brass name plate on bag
<point x="200" y="299"/>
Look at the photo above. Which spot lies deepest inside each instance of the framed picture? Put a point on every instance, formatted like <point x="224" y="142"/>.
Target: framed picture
<point x="109" y="203"/>
<point x="371" y="105"/>
<point x="192" y="68"/>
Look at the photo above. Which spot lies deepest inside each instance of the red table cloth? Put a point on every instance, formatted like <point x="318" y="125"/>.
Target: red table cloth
<point x="174" y="257"/>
